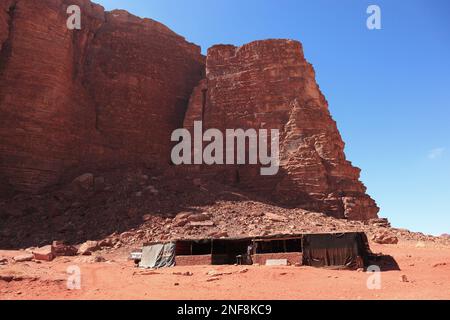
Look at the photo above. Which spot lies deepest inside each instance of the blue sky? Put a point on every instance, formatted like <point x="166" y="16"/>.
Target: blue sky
<point x="388" y="90"/>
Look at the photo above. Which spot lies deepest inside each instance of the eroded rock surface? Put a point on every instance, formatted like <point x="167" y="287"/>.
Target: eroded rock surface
<point x="105" y="96"/>
<point x="269" y="85"/>
<point x="108" y="96"/>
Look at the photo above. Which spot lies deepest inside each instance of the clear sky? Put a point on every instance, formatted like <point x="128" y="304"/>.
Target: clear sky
<point x="388" y="90"/>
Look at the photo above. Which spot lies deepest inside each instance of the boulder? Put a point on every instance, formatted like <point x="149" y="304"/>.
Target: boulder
<point x="62" y="250"/>
<point x="107" y="243"/>
<point x="218" y="234"/>
<point x="275" y="217"/>
<point x="384" y="238"/>
<point x="198" y="217"/>
<point x="91" y="259"/>
<point x="183" y="215"/>
<point x="180" y="223"/>
<point x="24" y="257"/>
<point x="6" y="277"/>
<point x="88" y="248"/>
<point x="207" y="223"/>
<point x="44" y="253"/>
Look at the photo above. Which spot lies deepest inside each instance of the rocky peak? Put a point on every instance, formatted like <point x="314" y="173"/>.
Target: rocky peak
<point x="109" y="96"/>
<point x="269" y="84"/>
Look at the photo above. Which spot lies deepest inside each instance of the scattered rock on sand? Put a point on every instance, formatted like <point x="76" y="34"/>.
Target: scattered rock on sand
<point x="145" y="273"/>
<point x="441" y="264"/>
<point x="275" y="217"/>
<point x="404" y="278"/>
<point x="98" y="259"/>
<point x="212" y="279"/>
<point x="88" y="248"/>
<point x="126" y="235"/>
<point x="207" y="223"/>
<point x="107" y="243"/>
<point x="180" y="222"/>
<point x="183" y="215"/>
<point x="43" y="254"/>
<point x="198" y="217"/>
<point x="23" y="257"/>
<point x="384" y="238"/>
<point x="6" y="277"/>
<point x="214" y="273"/>
<point x="218" y="234"/>
<point x="91" y="259"/>
<point x="62" y="250"/>
<point x="187" y="274"/>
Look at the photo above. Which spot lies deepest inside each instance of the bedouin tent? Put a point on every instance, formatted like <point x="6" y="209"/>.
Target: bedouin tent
<point x="345" y="250"/>
<point x="159" y="255"/>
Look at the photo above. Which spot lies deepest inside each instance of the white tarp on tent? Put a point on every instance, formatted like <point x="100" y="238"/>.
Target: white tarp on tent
<point x="158" y="256"/>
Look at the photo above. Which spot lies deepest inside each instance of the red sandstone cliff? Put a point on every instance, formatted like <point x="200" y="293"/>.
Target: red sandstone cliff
<point x="269" y="84"/>
<point x="109" y="95"/>
<point x="104" y="96"/>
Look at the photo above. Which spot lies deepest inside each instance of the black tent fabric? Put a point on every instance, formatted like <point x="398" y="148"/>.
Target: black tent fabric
<point x="345" y="250"/>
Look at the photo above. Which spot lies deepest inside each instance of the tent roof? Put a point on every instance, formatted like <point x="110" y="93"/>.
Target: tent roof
<point x="281" y="236"/>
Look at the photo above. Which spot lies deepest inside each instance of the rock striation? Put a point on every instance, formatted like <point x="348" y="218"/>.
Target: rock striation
<point x="75" y="101"/>
<point x="269" y="85"/>
<point x="108" y="96"/>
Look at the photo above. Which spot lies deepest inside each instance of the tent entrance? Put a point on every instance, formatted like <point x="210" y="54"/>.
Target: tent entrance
<point x="344" y="250"/>
<point x="230" y="252"/>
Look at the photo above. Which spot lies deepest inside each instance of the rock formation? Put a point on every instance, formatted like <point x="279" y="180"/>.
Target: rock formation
<point x="109" y="96"/>
<point x="269" y="84"/>
<point x="102" y="97"/>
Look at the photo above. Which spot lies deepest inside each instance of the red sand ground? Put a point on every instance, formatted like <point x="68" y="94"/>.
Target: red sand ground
<point x="427" y="270"/>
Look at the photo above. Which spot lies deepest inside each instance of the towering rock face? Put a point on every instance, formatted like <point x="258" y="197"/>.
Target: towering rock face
<point x="104" y="96"/>
<point x="270" y="85"/>
<point x="110" y="95"/>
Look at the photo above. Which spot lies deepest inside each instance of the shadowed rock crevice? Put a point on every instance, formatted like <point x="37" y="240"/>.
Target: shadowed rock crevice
<point x="6" y="39"/>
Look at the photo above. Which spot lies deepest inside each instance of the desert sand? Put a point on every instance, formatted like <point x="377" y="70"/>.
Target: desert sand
<point x="424" y="274"/>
